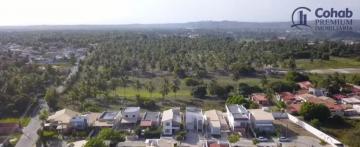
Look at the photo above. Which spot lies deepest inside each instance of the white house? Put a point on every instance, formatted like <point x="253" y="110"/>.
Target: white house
<point x="261" y="120"/>
<point x="216" y="122"/>
<point x="238" y="117"/>
<point x="194" y="119"/>
<point x="130" y="115"/>
<point x="171" y="120"/>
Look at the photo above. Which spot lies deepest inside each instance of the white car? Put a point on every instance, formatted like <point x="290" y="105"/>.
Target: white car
<point x="284" y="139"/>
<point x="262" y="139"/>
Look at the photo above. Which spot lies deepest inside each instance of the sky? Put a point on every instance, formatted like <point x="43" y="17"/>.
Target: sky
<point x="82" y="12"/>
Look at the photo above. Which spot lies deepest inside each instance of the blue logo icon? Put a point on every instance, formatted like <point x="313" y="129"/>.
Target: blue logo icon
<point x="299" y="17"/>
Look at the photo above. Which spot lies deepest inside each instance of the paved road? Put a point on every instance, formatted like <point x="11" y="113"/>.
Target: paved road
<point x="30" y="136"/>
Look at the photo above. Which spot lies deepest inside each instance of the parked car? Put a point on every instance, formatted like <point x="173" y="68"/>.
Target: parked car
<point x="284" y="139"/>
<point x="262" y="139"/>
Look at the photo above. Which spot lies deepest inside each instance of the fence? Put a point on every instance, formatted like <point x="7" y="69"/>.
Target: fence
<point x="330" y="140"/>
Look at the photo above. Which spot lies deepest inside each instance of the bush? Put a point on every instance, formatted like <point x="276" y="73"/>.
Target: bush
<point x="234" y="138"/>
<point x="296" y="77"/>
<point x="152" y="132"/>
<point x="315" y="123"/>
<point x="112" y="135"/>
<point x="255" y="141"/>
<point x="314" y="111"/>
<point x="95" y="142"/>
<point x="180" y="136"/>
<point x="199" y="91"/>
<point x="191" y="82"/>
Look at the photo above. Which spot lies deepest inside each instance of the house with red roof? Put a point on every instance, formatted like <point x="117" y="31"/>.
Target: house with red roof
<point x="286" y="97"/>
<point x="260" y="98"/>
<point x="305" y="85"/>
<point x="335" y="108"/>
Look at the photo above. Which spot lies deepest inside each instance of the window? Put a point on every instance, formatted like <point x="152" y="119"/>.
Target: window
<point x="167" y="123"/>
<point x="126" y="116"/>
<point x="133" y="115"/>
<point x="167" y="130"/>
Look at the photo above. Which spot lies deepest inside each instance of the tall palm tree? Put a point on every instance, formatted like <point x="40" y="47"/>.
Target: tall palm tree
<point x="165" y="88"/>
<point x="175" y="86"/>
<point x="150" y="87"/>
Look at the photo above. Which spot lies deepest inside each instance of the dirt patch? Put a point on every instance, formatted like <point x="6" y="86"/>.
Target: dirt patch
<point x="287" y="127"/>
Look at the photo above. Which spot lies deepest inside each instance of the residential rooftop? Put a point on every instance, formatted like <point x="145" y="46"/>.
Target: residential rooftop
<point x="151" y="116"/>
<point x="131" y="109"/>
<point x="260" y="114"/>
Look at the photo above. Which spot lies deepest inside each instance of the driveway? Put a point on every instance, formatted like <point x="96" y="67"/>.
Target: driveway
<point x="30" y="136"/>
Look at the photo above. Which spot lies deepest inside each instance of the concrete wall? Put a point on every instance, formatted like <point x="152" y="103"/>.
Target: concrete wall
<point x="330" y="140"/>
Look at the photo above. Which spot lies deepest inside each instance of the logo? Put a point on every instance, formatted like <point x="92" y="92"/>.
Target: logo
<point x="324" y="19"/>
<point x="299" y="17"/>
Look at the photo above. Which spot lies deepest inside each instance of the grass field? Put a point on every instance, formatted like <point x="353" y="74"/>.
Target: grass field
<point x="344" y="132"/>
<point x="184" y="92"/>
<point x="334" y="62"/>
<point x="24" y="122"/>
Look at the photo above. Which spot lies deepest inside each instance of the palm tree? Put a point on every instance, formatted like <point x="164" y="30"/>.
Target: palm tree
<point x="137" y="86"/>
<point x="123" y="81"/>
<point x="175" y="86"/>
<point x="264" y="81"/>
<point x="165" y="88"/>
<point x="150" y="87"/>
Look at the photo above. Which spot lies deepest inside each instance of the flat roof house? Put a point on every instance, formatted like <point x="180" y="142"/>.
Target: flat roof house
<point x="260" y="98"/>
<point x="194" y="119"/>
<point x="171" y="121"/>
<point x="238" y="117"/>
<point x="107" y="119"/>
<point x="150" y="119"/>
<point x="216" y="122"/>
<point x="262" y="120"/>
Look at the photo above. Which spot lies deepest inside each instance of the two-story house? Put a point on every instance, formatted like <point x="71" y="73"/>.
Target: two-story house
<point x="194" y="119"/>
<point x="130" y="115"/>
<point x="238" y="117"/>
<point x="171" y="121"/>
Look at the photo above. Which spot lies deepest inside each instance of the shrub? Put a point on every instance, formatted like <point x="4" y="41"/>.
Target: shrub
<point x="234" y="138"/>
<point x="315" y="123"/>
<point x="191" y="82"/>
<point x="199" y="91"/>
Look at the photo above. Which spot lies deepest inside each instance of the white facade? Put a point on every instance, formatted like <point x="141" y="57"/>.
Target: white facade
<point x="238" y="117"/>
<point x="171" y="121"/>
<point x="262" y="120"/>
<point x="194" y="119"/>
<point x="130" y="115"/>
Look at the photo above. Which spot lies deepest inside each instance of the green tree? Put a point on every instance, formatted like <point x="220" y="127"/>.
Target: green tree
<point x="51" y="97"/>
<point x="95" y="142"/>
<point x="199" y="91"/>
<point x="150" y="87"/>
<point x="175" y="86"/>
<point x="233" y="138"/>
<point x="165" y="87"/>
<point x="314" y="111"/>
<point x="112" y="135"/>
<point x="137" y="86"/>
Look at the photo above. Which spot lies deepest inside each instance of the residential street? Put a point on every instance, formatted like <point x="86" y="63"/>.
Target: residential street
<point x="30" y="136"/>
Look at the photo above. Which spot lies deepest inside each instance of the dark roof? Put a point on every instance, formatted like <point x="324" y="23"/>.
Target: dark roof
<point x="152" y="116"/>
